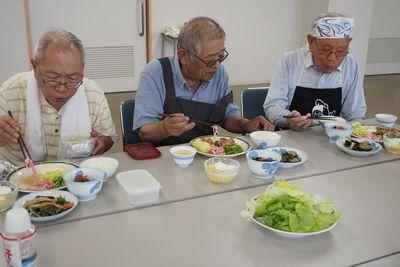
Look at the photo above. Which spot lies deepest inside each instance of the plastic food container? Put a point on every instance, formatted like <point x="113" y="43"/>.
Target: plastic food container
<point x="78" y="149"/>
<point x="138" y="186"/>
<point x="221" y="170"/>
<point x="142" y="151"/>
<point x="8" y="194"/>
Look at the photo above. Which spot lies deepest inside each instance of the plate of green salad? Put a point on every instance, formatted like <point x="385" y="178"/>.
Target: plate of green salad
<point x="219" y="146"/>
<point x="287" y="211"/>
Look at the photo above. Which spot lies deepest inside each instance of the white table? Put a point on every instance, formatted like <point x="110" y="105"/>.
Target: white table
<point x="209" y="231"/>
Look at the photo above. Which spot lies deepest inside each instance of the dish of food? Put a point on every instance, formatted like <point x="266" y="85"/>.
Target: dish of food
<point x="290" y="156"/>
<point x="359" y="147"/>
<point x="220" y="146"/>
<point x="5" y="168"/>
<point x="372" y="133"/>
<point x="286" y="210"/>
<point x="51" y="176"/>
<point x="47" y="205"/>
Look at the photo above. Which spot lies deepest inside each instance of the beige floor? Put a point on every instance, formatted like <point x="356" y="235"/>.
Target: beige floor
<point x="382" y="95"/>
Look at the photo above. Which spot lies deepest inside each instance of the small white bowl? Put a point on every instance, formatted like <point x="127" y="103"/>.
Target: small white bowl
<point x="7" y="199"/>
<point x="264" y="139"/>
<point x="221" y="170"/>
<point x="392" y="143"/>
<point x="263" y="169"/>
<point x="85" y="191"/>
<point x="336" y="134"/>
<point x="386" y="119"/>
<point x="106" y="164"/>
<point x="183" y="155"/>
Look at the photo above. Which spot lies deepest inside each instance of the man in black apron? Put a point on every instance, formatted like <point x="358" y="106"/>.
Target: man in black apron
<point x="200" y="51"/>
<point x="324" y="78"/>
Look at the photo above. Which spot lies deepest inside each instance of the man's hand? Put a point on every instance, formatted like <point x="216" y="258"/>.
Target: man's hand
<point x="103" y="143"/>
<point x="177" y="124"/>
<point x="257" y="124"/>
<point x="298" y="122"/>
<point x="9" y="130"/>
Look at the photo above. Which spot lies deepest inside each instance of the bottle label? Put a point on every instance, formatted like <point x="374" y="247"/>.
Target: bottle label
<point x="20" y="252"/>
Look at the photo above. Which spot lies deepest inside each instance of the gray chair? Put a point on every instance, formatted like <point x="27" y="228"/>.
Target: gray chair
<point x="252" y="100"/>
<point x="127" y="109"/>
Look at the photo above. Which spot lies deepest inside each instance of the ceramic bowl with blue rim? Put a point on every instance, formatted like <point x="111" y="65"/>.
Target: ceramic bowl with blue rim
<point x="337" y="130"/>
<point x="264" y="139"/>
<point x="85" y="189"/>
<point x="263" y="163"/>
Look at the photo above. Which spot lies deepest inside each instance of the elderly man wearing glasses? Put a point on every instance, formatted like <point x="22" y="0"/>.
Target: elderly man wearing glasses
<point x="321" y="79"/>
<point x="53" y="103"/>
<point x="192" y="85"/>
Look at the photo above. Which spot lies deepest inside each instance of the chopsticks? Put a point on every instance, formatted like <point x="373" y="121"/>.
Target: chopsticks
<point x="190" y="120"/>
<point x="313" y="118"/>
<point x="25" y="152"/>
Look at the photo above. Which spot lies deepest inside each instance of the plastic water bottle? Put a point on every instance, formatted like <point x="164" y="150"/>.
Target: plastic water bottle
<point x="19" y="239"/>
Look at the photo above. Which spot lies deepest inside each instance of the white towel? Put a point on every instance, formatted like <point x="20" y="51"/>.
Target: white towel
<point x="75" y="120"/>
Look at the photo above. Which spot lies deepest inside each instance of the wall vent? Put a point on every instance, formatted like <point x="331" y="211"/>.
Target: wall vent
<point x="109" y="62"/>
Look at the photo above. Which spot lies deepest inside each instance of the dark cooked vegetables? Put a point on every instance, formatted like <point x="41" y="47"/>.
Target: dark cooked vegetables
<point x="358" y="146"/>
<point x="290" y="157"/>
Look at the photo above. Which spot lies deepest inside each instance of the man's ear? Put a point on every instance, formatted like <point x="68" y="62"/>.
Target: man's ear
<point x="182" y="55"/>
<point x="310" y="39"/>
<point x="33" y="63"/>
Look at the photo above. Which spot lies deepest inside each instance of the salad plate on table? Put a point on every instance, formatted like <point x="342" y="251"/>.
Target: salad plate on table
<point x="372" y="132"/>
<point x="290" y="156"/>
<point x="220" y="146"/>
<point x="287" y="211"/>
<point x="47" y="205"/>
<point x="51" y="176"/>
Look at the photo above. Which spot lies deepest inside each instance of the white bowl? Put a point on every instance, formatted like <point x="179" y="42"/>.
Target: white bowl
<point x="183" y="155"/>
<point x="264" y="139"/>
<point x="336" y="134"/>
<point x="386" y="119"/>
<point x="106" y="164"/>
<point x="392" y="142"/>
<point x="85" y="191"/>
<point x="7" y="199"/>
<point x="261" y="169"/>
<point x="221" y="170"/>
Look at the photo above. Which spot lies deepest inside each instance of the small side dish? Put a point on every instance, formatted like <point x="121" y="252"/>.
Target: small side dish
<point x="221" y="170"/>
<point x="43" y="206"/>
<point x="359" y="147"/>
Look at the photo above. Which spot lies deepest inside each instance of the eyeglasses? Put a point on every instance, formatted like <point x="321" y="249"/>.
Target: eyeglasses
<point x="58" y="84"/>
<point x="212" y="63"/>
<point x="328" y="52"/>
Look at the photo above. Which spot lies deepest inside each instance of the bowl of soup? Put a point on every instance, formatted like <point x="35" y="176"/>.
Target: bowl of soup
<point x="183" y="155"/>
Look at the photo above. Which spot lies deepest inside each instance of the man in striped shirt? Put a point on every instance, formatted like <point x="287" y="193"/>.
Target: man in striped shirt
<point x="53" y="102"/>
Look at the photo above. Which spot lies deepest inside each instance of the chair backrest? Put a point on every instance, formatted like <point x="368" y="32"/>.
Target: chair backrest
<point x="252" y="102"/>
<point x="127" y="109"/>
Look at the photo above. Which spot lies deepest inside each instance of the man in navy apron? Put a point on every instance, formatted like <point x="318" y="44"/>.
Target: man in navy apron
<point x="192" y="85"/>
<point x="318" y="80"/>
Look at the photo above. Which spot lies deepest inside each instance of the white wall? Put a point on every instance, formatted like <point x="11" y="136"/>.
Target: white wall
<point x="384" y="43"/>
<point x="13" y="51"/>
<point x="258" y="32"/>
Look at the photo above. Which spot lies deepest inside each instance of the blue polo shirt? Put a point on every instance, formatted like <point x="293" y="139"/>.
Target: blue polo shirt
<point x="151" y="92"/>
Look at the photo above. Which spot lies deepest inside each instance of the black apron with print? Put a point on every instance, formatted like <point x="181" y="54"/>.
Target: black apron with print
<point x="316" y="101"/>
<point x="212" y="113"/>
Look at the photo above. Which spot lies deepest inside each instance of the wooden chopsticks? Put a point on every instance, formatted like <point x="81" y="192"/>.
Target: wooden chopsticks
<point x="312" y="118"/>
<point x="190" y="120"/>
<point x="24" y="149"/>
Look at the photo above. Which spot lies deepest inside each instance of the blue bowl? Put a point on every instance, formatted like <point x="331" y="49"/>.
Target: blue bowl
<point x="85" y="191"/>
<point x="263" y="169"/>
<point x="337" y="130"/>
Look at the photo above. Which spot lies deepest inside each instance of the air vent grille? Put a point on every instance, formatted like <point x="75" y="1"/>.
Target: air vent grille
<point x="109" y="62"/>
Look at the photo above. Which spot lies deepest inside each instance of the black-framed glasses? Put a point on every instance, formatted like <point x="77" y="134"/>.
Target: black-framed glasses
<point x="328" y="52"/>
<point x="211" y="63"/>
<point x="58" y="84"/>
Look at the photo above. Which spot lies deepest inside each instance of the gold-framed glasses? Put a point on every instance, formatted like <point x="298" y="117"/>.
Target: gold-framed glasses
<point x="58" y="84"/>
<point x="327" y="51"/>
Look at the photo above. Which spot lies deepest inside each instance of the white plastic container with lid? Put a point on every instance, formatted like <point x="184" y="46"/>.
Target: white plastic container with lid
<point x="138" y="186"/>
<point x="19" y="239"/>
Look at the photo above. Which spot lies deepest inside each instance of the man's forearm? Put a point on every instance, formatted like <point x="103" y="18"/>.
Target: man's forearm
<point x="153" y="133"/>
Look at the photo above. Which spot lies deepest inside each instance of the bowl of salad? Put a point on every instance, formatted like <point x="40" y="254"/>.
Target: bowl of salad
<point x="288" y="211"/>
<point x="225" y="147"/>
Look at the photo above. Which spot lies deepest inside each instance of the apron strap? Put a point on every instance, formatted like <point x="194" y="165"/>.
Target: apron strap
<point x="168" y="77"/>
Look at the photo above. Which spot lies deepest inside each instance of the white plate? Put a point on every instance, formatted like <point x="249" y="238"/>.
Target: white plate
<point x="21" y="173"/>
<point x="54" y="193"/>
<point x="293" y="234"/>
<point x="376" y="147"/>
<point x="302" y="155"/>
<point x="243" y="143"/>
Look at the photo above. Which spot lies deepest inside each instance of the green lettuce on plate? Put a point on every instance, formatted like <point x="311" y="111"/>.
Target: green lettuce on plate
<point x="285" y="207"/>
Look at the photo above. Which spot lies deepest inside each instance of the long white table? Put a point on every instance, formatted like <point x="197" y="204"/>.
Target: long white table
<point x="209" y="231"/>
<point x="188" y="183"/>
